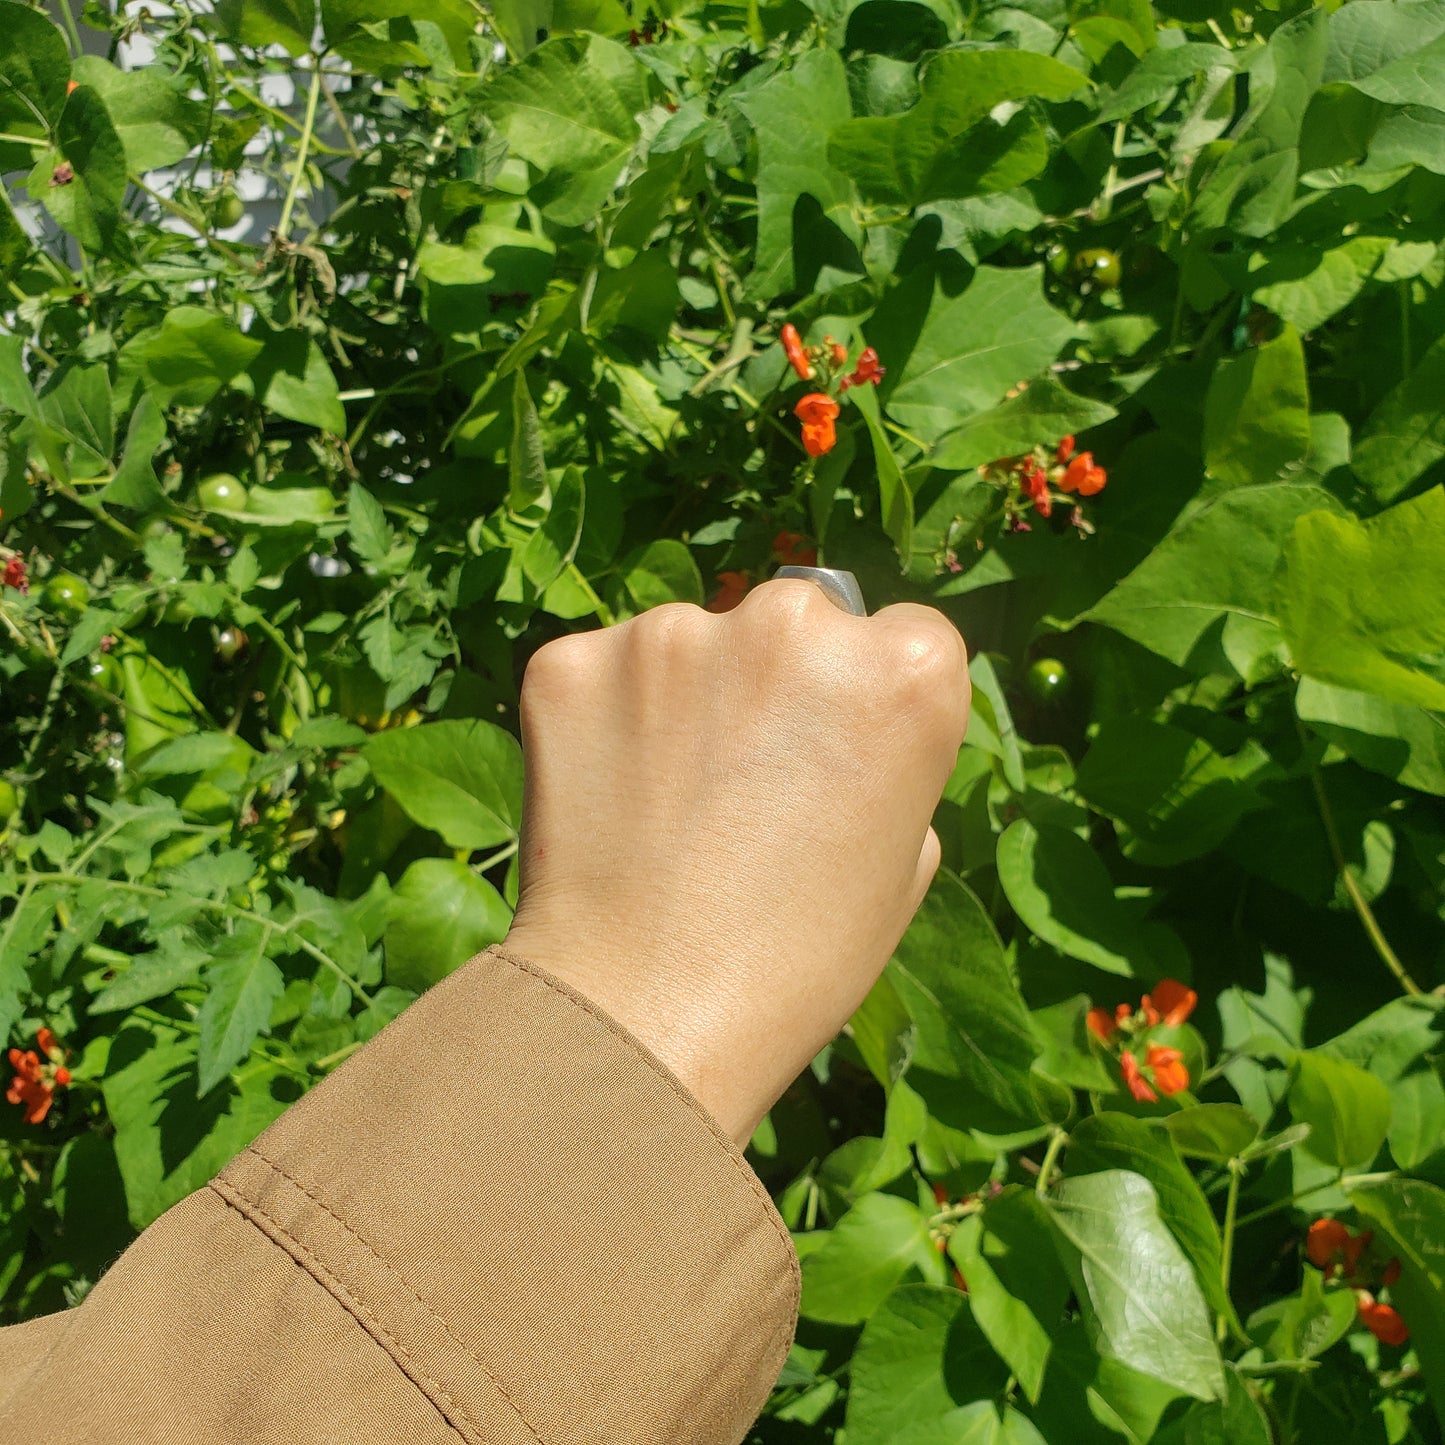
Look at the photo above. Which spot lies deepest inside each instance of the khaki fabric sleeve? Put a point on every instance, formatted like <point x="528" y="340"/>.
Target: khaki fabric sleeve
<point x="501" y="1221"/>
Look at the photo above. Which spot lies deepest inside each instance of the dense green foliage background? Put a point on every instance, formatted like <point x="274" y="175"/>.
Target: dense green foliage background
<point x="284" y="518"/>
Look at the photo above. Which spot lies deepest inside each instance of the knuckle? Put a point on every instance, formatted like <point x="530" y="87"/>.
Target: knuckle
<point x="667" y="625"/>
<point x="784" y="601"/>
<point x="557" y="667"/>
<point x="929" y="665"/>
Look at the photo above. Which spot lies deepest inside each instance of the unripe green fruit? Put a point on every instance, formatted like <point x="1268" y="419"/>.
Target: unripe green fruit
<point x="227" y="209"/>
<point x="221" y="493"/>
<point x="66" y="595"/>
<point x="231" y="644"/>
<point x="1100" y="266"/>
<point x="1047" y="681"/>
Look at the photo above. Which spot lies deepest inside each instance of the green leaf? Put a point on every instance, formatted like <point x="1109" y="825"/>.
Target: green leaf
<point x="174" y="962"/>
<point x="1401" y="742"/>
<point x="1235" y="1420"/>
<point x="792" y="114"/>
<point x="1257" y="413"/>
<point x="1102" y="1142"/>
<point x="523" y="24"/>
<point x="1347" y="1109"/>
<point x="366" y="524"/>
<point x="1062" y="893"/>
<point x="193" y="355"/>
<point x="134" y="484"/>
<point x="15" y="243"/>
<point x="1405" y="434"/>
<point x="1306" y="286"/>
<point x="1145" y="1307"/>
<point x="82" y="180"/>
<point x="1411" y="1213"/>
<point x="291" y="377"/>
<point x="879" y="1241"/>
<point x="1305" y="1325"/>
<point x="947" y="145"/>
<point x="526" y="464"/>
<point x="919" y="1358"/>
<point x="460" y="282"/>
<point x="1046" y="411"/>
<point x="440" y="914"/>
<point x="241" y="985"/>
<point x="291" y="24"/>
<point x="1176" y="796"/>
<point x="1018" y="1293"/>
<point x="569" y="109"/>
<point x="461" y="778"/>
<point x="158" y="124"/>
<point x="1218" y="1132"/>
<point x="35" y="66"/>
<point x="974" y="1051"/>
<point x="1218" y="562"/>
<point x="895" y="499"/>
<point x="1359" y="601"/>
<point x="168" y="1142"/>
<point x="1386" y="63"/>
<point x="662" y="571"/>
<point x="972" y="346"/>
<point x="1159" y="74"/>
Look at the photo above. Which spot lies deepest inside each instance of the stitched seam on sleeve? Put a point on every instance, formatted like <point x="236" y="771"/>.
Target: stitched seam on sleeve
<point x="347" y="1296"/>
<point x="729" y="1148"/>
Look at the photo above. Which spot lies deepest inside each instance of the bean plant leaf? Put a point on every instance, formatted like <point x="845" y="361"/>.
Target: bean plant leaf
<point x="259" y="23"/>
<point x="526" y="464"/>
<point x="1405" y="434"/>
<point x="35" y="66"/>
<point x="441" y="914"/>
<point x="193" y="355"/>
<point x="1359" y="600"/>
<point x="873" y="1247"/>
<point x="157" y="123"/>
<point x="1346" y="1108"/>
<point x="82" y="179"/>
<point x="461" y="778"/>
<point x="1045" y="411"/>
<point x="1145" y="1306"/>
<point x="1401" y="742"/>
<point x="1257" y="413"/>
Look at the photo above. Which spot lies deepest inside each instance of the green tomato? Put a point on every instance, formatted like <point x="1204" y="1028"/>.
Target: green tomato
<point x="227" y="209"/>
<point x="104" y="671"/>
<point x="222" y="493"/>
<point x="67" y="595"/>
<point x="231" y="643"/>
<point x="1099" y="266"/>
<point x="1047" y="681"/>
<point x="9" y="801"/>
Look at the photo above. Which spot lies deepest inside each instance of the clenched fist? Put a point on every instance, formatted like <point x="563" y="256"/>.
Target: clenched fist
<point x="726" y="824"/>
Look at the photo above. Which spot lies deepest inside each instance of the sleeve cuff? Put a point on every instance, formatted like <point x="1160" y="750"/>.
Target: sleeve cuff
<point x="537" y="1221"/>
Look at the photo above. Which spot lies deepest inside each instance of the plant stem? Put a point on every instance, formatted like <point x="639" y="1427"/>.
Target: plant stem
<point x="1357" y="898"/>
<point x="1226" y="1260"/>
<point x="308" y="125"/>
<point x="1051" y="1157"/>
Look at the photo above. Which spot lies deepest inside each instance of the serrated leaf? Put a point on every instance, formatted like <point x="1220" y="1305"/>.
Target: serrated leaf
<point x="366" y="525"/>
<point x="526" y="462"/>
<point x="241" y="985"/>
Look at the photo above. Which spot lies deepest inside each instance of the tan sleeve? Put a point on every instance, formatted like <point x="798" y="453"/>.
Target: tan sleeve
<point x="502" y="1221"/>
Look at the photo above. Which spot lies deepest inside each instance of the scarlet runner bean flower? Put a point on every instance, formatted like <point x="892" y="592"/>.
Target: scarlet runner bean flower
<point x="15" y="576"/>
<point x="1169" y="1003"/>
<point x="1382" y="1321"/>
<point x="1134" y="1079"/>
<point x="867" y="370"/>
<point x="792" y="549"/>
<point x="818" y="412"/>
<point x="34" y="1084"/>
<point x="1037" y="473"/>
<point x="733" y="586"/>
<point x="1170" y="1073"/>
<point x="797" y="356"/>
<point x="1082" y="476"/>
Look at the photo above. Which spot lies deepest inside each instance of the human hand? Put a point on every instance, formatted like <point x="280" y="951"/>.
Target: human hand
<point x="726" y="823"/>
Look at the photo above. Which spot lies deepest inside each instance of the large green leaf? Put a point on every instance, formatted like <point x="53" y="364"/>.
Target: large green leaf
<point x="1145" y="1307"/>
<point x="570" y="109"/>
<point x="168" y="1142"/>
<point x="920" y="1357"/>
<point x="1045" y="411"/>
<point x="1405" y="433"/>
<point x="34" y="69"/>
<point x="193" y="355"/>
<point x="1360" y="601"/>
<point x="793" y="114"/>
<point x="292" y="377"/>
<point x="241" y="985"/>
<point x="1063" y="894"/>
<point x="82" y="179"/>
<point x="1217" y="563"/>
<point x="947" y="145"/>
<point x="895" y="500"/>
<point x="879" y="1241"/>
<point x="1117" y="1141"/>
<point x="440" y="915"/>
<point x="1303" y="1326"/>
<point x="1018" y="1293"/>
<point x="158" y="124"/>
<point x="1404" y="743"/>
<point x="1257" y="413"/>
<point x="1346" y="1108"/>
<point x="953" y="350"/>
<point x="463" y="779"/>
<point x="1411" y="1213"/>
<point x="261" y="23"/>
<point x="1306" y="286"/>
<point x="1396" y="55"/>
<point x="974" y="1048"/>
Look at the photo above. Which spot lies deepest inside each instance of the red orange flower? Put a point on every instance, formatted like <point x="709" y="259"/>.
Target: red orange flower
<point x="1134" y="1079"/>
<point x="1064" y="450"/>
<point x="1035" y="483"/>
<point x="837" y="352"/>
<point x="818" y="412"/>
<point x="797" y="356"/>
<point x="34" y="1084"/>
<point x="15" y="576"/>
<point x="866" y="371"/>
<point x="1082" y="476"/>
<point x="1326" y="1240"/>
<point x="792" y="549"/>
<point x="1169" y="1002"/>
<point x="1382" y="1321"/>
<point x="1170" y="1073"/>
<point x="732" y="586"/>
<point x="1101" y="1023"/>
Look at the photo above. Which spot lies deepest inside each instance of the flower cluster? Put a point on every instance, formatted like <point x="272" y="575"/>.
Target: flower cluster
<point x="790" y="549"/>
<point x="1039" y="479"/>
<point x="1344" y="1255"/>
<point x="35" y="1083"/>
<point x="16" y="576"/>
<point x="1169" y="1003"/>
<point x="818" y="411"/>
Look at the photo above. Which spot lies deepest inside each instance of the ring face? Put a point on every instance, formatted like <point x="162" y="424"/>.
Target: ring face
<point x="841" y="587"/>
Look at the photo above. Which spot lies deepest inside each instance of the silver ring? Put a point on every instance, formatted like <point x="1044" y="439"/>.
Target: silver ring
<point x="841" y="588"/>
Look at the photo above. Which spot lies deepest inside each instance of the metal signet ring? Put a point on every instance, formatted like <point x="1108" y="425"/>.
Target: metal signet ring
<point x="841" y="587"/>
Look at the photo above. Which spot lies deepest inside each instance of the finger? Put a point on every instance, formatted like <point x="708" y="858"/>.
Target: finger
<point x="929" y="858"/>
